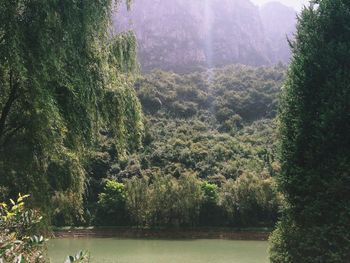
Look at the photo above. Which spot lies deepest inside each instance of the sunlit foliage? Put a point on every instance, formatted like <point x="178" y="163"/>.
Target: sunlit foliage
<point x="20" y="239"/>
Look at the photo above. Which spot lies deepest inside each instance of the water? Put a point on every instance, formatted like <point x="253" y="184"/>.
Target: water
<point x="108" y="250"/>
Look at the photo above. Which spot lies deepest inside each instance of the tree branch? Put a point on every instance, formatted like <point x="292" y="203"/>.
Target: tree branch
<point x="6" y="137"/>
<point x="7" y="108"/>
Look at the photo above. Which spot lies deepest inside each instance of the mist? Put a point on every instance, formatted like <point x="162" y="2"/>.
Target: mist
<point x="183" y="35"/>
<point x="296" y="4"/>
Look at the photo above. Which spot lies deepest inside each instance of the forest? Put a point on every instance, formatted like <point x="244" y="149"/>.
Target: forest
<point x="90" y="139"/>
<point x="207" y="143"/>
<point x="209" y="148"/>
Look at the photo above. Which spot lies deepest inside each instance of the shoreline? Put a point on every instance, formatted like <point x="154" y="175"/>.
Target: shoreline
<point x="249" y="234"/>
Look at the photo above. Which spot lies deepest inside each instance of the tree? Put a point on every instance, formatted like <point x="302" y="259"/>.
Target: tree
<point x="315" y="140"/>
<point x="210" y="212"/>
<point x="163" y="198"/>
<point x="111" y="205"/>
<point x="137" y="200"/>
<point x="62" y="87"/>
<point x="190" y="199"/>
<point x="250" y="200"/>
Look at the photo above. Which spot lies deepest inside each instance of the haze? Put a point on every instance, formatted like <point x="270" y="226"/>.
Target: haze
<point x="296" y="4"/>
<point x="179" y="35"/>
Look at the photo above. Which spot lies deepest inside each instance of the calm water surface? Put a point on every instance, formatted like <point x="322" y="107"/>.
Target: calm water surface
<point x="109" y="250"/>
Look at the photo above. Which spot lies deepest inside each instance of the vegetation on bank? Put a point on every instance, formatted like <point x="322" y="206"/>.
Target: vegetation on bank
<point x="202" y="150"/>
<point x="20" y="239"/>
<point x="73" y="135"/>
<point x="208" y="156"/>
<point x="209" y="153"/>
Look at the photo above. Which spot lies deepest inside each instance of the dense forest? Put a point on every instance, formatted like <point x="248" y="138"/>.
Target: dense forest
<point x="209" y="153"/>
<point x="204" y="155"/>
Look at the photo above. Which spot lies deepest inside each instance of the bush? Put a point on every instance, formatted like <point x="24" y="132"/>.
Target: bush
<point x="111" y="205"/>
<point x="250" y="200"/>
<point x="19" y="239"/>
<point x="190" y="199"/>
<point x="17" y="227"/>
<point x="137" y="201"/>
<point x="163" y="200"/>
<point x="211" y="213"/>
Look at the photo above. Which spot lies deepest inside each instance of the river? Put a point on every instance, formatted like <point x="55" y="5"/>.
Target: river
<point x="108" y="250"/>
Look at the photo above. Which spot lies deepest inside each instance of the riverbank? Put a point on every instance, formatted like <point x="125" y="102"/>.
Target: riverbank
<point x="261" y="234"/>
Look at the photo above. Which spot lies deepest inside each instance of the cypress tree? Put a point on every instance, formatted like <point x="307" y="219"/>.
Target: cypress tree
<point x="315" y="140"/>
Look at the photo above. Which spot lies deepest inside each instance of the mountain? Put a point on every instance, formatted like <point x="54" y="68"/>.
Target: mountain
<point x="279" y="24"/>
<point x="295" y="4"/>
<point x="184" y="35"/>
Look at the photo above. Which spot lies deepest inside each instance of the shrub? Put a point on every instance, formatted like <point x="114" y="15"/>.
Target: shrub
<point x="163" y="200"/>
<point x="111" y="210"/>
<point x="17" y="241"/>
<point x="137" y="201"/>
<point x="190" y="199"/>
<point x="250" y="200"/>
<point x="211" y="213"/>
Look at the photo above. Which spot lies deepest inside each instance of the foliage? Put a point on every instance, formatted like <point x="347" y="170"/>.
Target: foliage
<point x="137" y="200"/>
<point x="85" y="124"/>
<point x="111" y="205"/>
<point x="184" y="141"/>
<point x="17" y="225"/>
<point x="210" y="192"/>
<point x="249" y="92"/>
<point x="64" y="89"/>
<point x="164" y="200"/>
<point x="19" y="242"/>
<point x="250" y="200"/>
<point x="315" y="140"/>
<point x="211" y="213"/>
<point x="80" y="257"/>
<point x="211" y="145"/>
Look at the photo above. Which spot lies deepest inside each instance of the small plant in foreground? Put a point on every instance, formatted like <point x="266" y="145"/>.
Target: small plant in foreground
<point x="19" y="241"/>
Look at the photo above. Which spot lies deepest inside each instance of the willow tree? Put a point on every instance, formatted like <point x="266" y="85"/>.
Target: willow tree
<point x="315" y="134"/>
<point x="63" y="82"/>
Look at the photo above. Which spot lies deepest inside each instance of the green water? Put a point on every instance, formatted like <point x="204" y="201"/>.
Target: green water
<point x="109" y="250"/>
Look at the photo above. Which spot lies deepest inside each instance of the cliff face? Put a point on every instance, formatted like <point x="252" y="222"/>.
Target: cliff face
<point x="183" y="35"/>
<point x="279" y="24"/>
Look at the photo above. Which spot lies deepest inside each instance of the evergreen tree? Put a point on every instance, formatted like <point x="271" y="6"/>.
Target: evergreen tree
<point x="315" y="140"/>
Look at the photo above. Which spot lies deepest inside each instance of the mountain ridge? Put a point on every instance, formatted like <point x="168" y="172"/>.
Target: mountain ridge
<point x="184" y="36"/>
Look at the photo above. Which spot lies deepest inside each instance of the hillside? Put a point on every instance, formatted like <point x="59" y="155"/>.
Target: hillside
<point x="211" y="130"/>
<point x="187" y="35"/>
<point x="202" y="121"/>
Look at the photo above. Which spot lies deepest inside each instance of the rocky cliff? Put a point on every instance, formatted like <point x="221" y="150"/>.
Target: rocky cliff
<point x="279" y="24"/>
<point x="183" y="35"/>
